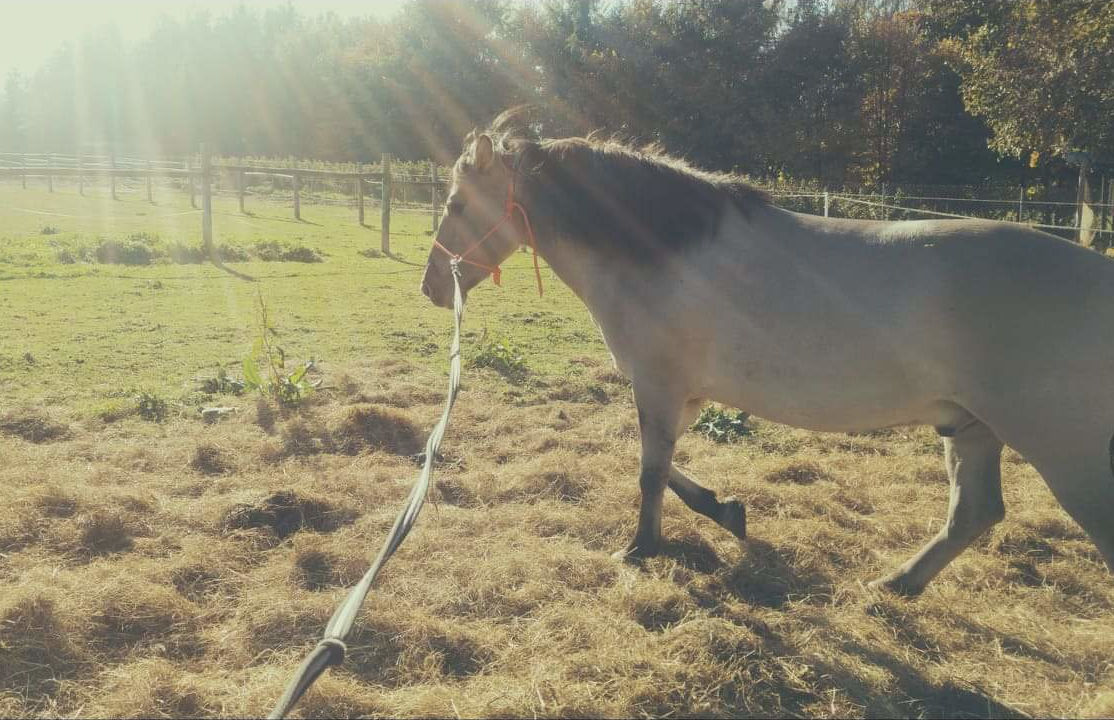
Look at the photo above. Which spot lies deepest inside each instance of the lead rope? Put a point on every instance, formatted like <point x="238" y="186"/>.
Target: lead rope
<point x="331" y="648"/>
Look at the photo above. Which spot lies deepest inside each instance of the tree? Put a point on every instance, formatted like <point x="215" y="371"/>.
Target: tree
<point x="1038" y="71"/>
<point x="13" y="113"/>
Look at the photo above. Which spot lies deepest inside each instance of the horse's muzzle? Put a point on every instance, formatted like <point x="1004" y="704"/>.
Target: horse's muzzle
<point x="439" y="299"/>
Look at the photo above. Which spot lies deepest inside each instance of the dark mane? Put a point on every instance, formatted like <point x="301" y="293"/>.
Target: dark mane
<point x="640" y="202"/>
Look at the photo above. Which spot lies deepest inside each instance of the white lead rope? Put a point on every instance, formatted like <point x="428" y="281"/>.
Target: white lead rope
<point x="331" y="649"/>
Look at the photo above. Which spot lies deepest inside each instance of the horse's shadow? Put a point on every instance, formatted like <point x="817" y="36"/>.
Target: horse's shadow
<point x="767" y="576"/>
<point x="770" y="577"/>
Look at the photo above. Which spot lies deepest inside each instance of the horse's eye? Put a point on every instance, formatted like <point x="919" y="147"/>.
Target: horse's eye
<point x="456" y="207"/>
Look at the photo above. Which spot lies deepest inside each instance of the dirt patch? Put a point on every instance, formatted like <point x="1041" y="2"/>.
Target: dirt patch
<point x="454" y="492"/>
<point x="285" y="513"/>
<point x="351" y="431"/>
<point x="32" y="426"/>
<point x="38" y="650"/>
<point x="105" y="532"/>
<point x="134" y="613"/>
<point x="209" y="459"/>
<point x="367" y="427"/>
<point x="55" y="502"/>
<point x="799" y="473"/>
<point x="318" y="569"/>
<point x="554" y="484"/>
<point x="196" y="581"/>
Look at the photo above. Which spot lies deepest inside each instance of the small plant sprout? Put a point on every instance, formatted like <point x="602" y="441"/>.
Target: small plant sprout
<point x="265" y="367"/>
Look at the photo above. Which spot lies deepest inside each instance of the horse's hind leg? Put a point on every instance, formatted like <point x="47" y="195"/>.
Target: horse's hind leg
<point x="973" y="463"/>
<point x="1080" y="474"/>
<point x="728" y="513"/>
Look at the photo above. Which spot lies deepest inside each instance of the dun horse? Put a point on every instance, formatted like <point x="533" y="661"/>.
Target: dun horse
<point x="704" y="290"/>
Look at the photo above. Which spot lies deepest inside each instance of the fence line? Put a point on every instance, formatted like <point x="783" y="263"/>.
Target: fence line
<point x="201" y="173"/>
<point x="828" y="197"/>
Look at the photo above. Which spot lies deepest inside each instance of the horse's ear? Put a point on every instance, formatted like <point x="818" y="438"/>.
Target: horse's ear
<point x="485" y="152"/>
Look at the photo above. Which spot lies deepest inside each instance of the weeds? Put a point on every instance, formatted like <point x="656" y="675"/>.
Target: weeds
<point x="151" y="407"/>
<point x="274" y="251"/>
<point x="222" y="384"/>
<point x="265" y="368"/>
<point x="502" y="356"/>
<point x="722" y="426"/>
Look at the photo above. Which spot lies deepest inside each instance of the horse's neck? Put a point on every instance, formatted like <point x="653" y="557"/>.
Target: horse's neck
<point x="577" y="268"/>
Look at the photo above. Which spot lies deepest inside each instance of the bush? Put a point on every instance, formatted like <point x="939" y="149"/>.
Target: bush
<point x="125" y="252"/>
<point x="49" y="230"/>
<point x="185" y="254"/>
<point x="151" y="407"/>
<point x="71" y="256"/>
<point x="274" y="251"/>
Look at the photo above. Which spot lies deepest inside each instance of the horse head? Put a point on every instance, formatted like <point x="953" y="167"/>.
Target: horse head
<point x="478" y="230"/>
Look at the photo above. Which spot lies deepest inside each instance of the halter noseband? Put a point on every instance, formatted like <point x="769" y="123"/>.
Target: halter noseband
<point x="509" y="208"/>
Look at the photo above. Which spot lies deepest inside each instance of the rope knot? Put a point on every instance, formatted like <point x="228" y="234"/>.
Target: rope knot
<point x="337" y="649"/>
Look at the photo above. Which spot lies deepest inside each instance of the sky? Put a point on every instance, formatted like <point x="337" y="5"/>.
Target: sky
<point x="31" y="30"/>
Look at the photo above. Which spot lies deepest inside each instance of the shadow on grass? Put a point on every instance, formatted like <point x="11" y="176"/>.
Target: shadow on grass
<point x="915" y="696"/>
<point x="767" y="576"/>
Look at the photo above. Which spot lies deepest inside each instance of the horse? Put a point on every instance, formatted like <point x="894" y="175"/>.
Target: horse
<point x="704" y="290"/>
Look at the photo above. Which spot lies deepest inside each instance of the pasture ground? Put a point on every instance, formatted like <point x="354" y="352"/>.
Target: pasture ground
<point x="179" y="568"/>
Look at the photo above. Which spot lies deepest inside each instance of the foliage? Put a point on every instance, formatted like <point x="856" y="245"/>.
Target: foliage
<point x="722" y="426"/>
<point x="502" y="356"/>
<point x="1037" y="71"/>
<point x="265" y="367"/>
<point x="846" y="90"/>
<point x="275" y="251"/>
<point x="134" y="250"/>
<point x="151" y="407"/>
<point x="49" y="230"/>
<point x="222" y="384"/>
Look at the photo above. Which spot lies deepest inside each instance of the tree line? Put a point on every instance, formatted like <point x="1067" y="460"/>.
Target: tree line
<point x="837" y="92"/>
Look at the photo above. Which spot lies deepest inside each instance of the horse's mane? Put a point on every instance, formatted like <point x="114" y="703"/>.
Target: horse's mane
<point x="620" y="196"/>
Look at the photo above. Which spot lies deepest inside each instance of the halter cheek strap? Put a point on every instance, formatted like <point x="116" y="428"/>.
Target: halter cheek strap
<point x="509" y="209"/>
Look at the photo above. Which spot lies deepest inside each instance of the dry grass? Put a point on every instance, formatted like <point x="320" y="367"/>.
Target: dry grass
<point x="182" y="570"/>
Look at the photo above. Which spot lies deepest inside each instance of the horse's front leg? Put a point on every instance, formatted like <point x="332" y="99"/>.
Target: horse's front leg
<point x="659" y="414"/>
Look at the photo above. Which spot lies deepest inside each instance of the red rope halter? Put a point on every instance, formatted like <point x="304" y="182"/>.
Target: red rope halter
<point x="509" y="209"/>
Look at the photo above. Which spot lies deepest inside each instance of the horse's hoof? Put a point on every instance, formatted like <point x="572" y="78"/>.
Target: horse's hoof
<point x="733" y="517"/>
<point x="898" y="584"/>
<point x="634" y="553"/>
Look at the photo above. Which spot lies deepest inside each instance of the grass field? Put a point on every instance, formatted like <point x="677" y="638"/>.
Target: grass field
<point x="183" y="568"/>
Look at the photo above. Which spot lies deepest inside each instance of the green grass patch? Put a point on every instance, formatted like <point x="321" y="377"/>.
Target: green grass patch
<point x="94" y="328"/>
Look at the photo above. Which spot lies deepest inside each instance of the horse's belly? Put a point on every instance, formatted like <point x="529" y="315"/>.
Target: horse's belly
<point x="830" y="398"/>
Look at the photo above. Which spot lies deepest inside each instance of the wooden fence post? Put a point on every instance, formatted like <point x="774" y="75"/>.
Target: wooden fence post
<point x="385" y="221"/>
<point x="206" y="206"/>
<point x="241" y="181"/>
<point x="296" y="179"/>
<point x="359" y="196"/>
<point x="150" y="193"/>
<point x="189" y="181"/>
<point x="1103" y="201"/>
<point x="112" y="175"/>
<point x="827" y="203"/>
<point x="433" y="193"/>
<point x="1021" y="203"/>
